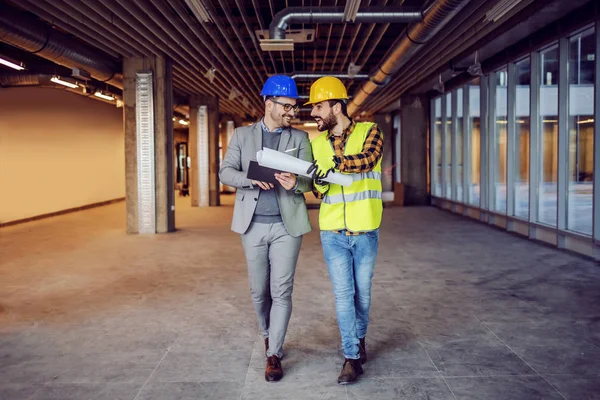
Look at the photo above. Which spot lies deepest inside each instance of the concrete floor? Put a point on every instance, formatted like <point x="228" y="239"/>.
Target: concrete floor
<point x="460" y="311"/>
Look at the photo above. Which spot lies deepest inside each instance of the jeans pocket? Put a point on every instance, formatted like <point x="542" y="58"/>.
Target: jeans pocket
<point x="373" y="234"/>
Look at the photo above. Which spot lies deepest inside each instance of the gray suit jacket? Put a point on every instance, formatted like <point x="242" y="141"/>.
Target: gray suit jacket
<point x="244" y="144"/>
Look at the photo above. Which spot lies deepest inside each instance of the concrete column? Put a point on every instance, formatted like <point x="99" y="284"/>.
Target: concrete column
<point x="385" y="124"/>
<point x="414" y="114"/>
<point x="227" y="125"/>
<point x="162" y="89"/>
<point x="196" y="127"/>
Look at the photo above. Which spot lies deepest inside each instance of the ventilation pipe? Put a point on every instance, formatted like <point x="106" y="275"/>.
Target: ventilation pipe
<point x="30" y="34"/>
<point x="412" y="39"/>
<point x="316" y="15"/>
<point x="317" y="75"/>
<point x="14" y="79"/>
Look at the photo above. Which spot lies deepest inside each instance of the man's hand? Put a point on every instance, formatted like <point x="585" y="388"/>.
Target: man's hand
<point x="321" y="186"/>
<point x="263" y="185"/>
<point x="321" y="167"/>
<point x="286" y="179"/>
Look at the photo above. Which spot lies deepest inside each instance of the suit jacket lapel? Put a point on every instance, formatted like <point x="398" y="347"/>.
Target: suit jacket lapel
<point x="257" y="136"/>
<point x="283" y="142"/>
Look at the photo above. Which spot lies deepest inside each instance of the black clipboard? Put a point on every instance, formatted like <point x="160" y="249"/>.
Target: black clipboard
<point x="262" y="174"/>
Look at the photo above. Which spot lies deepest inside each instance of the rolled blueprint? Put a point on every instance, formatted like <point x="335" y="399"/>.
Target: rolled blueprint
<point x="273" y="159"/>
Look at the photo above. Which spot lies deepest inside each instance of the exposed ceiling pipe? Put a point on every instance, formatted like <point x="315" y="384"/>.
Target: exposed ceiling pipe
<point x="467" y="31"/>
<point x="317" y="75"/>
<point x="20" y="79"/>
<point x="309" y="15"/>
<point x="30" y="34"/>
<point x="412" y="39"/>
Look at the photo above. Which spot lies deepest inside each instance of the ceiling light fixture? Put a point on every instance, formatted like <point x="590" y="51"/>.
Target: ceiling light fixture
<point x="277" y="45"/>
<point x="10" y="64"/>
<point x="183" y="122"/>
<point x="500" y="9"/>
<point x="199" y="10"/>
<point x="104" y="96"/>
<point x="439" y="86"/>
<point x="56" y="79"/>
<point x="351" y="10"/>
<point x="475" y="69"/>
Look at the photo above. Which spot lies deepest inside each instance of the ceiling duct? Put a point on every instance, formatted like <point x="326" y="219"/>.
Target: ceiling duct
<point x="313" y="15"/>
<point x="317" y="75"/>
<point x="20" y="79"/>
<point x="30" y="34"/>
<point x="412" y="39"/>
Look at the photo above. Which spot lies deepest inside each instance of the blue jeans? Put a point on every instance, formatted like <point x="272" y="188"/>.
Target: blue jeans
<point x="350" y="262"/>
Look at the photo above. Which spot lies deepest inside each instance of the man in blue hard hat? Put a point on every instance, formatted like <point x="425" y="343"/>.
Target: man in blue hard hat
<point x="270" y="217"/>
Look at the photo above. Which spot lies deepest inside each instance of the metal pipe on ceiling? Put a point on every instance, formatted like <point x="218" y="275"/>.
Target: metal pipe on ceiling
<point x="460" y="36"/>
<point x="19" y="79"/>
<point x="309" y="15"/>
<point x="28" y="33"/>
<point x="412" y="39"/>
<point x="317" y="75"/>
<point x="73" y="23"/>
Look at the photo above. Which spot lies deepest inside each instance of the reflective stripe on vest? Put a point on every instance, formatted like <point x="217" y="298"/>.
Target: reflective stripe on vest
<point x="366" y="175"/>
<point x="340" y="198"/>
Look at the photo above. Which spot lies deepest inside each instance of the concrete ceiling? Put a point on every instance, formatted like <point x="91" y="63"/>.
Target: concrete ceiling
<point x="228" y="43"/>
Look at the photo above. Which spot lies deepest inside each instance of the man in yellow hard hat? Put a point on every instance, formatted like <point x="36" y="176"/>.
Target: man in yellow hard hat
<point x="350" y="216"/>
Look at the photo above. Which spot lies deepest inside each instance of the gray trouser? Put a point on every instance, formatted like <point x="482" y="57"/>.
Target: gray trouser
<point x="271" y="254"/>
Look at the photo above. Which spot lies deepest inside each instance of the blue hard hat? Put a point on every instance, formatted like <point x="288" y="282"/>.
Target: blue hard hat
<point x="281" y="86"/>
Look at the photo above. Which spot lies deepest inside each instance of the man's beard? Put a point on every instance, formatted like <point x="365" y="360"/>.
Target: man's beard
<point x="329" y="123"/>
<point x="281" y="119"/>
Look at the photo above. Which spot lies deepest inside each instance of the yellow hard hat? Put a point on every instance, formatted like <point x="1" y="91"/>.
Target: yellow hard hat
<point x="327" y="88"/>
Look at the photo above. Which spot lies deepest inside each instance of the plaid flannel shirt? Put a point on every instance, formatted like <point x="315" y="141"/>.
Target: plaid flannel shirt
<point x="355" y="163"/>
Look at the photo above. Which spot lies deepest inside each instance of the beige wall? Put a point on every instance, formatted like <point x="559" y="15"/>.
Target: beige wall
<point x="58" y="150"/>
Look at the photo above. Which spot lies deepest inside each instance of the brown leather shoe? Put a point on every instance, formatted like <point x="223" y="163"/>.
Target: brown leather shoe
<point x="362" y="350"/>
<point x="274" y="372"/>
<point x="266" y="346"/>
<point x="350" y="371"/>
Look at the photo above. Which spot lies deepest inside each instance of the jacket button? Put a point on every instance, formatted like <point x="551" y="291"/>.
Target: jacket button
<point x="256" y="199"/>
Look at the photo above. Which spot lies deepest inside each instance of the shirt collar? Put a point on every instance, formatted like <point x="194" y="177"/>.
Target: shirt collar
<point x="346" y="132"/>
<point x="265" y="129"/>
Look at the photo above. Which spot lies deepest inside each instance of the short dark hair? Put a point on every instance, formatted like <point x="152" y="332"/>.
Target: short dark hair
<point x="343" y="104"/>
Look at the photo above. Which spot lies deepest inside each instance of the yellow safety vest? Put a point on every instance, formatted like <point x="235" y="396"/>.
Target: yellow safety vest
<point x="357" y="207"/>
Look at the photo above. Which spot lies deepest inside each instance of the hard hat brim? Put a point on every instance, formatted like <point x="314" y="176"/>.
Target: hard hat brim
<point x="320" y="101"/>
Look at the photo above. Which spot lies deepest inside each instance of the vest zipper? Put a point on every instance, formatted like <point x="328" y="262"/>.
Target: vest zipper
<point x="343" y="194"/>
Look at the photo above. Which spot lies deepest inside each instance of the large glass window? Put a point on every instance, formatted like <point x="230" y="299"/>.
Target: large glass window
<point x="448" y="147"/>
<point x="437" y="132"/>
<point x="521" y="159"/>
<point x="548" y="149"/>
<point x="459" y="145"/>
<point x="500" y="136"/>
<point x="581" y="132"/>
<point x="474" y="143"/>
